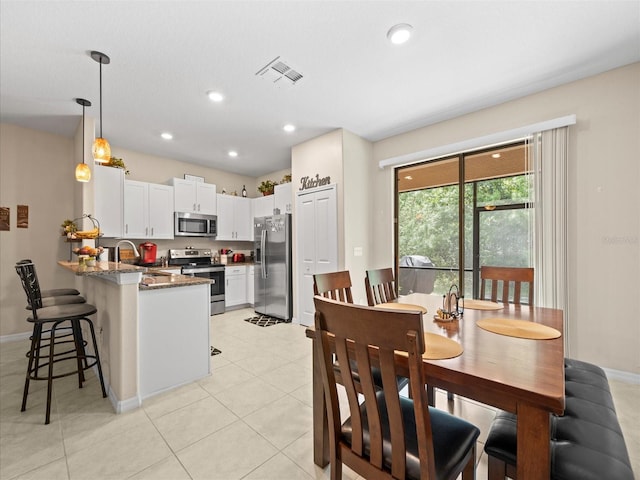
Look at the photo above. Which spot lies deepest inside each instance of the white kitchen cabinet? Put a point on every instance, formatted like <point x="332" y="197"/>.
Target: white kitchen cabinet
<point x="148" y="210"/>
<point x="108" y="184"/>
<point x="191" y="196"/>
<point x="235" y="290"/>
<point x="251" y="285"/>
<point x="234" y="218"/>
<point x="160" y="211"/>
<point x="283" y="200"/>
<point x="263" y="206"/>
<point x="168" y="359"/>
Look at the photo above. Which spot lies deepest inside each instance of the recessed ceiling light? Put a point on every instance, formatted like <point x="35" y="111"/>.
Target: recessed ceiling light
<point x="289" y="128"/>
<point x="495" y="155"/>
<point x="215" y="96"/>
<point x="399" y="34"/>
<point x="233" y="153"/>
<point x="166" y="136"/>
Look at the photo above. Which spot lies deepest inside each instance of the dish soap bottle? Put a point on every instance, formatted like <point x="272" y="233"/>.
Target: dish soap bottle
<point x="244" y="191"/>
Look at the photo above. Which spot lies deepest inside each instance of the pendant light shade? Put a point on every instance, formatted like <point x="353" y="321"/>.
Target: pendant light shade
<point x="83" y="172"/>
<point x="101" y="148"/>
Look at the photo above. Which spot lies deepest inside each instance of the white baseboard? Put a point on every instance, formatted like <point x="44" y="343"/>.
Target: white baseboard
<point x="15" y="337"/>
<point x="626" y="377"/>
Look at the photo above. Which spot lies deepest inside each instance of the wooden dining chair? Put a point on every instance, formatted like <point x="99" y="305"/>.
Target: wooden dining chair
<point x="380" y="285"/>
<point x="388" y="436"/>
<point x="335" y="285"/>
<point x="507" y="276"/>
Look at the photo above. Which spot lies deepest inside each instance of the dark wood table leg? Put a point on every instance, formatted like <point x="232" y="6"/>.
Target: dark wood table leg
<point x="534" y="456"/>
<point x="320" y="421"/>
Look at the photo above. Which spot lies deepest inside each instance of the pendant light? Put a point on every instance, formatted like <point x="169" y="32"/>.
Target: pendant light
<point x="101" y="148"/>
<point x="83" y="172"/>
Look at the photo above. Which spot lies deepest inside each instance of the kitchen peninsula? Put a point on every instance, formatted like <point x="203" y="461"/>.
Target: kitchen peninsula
<point x="152" y="328"/>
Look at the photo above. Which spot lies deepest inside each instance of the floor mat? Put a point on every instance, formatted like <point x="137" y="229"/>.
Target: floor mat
<point x="264" y="321"/>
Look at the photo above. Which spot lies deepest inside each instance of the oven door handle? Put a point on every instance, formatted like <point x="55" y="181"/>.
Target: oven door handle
<point x="263" y="264"/>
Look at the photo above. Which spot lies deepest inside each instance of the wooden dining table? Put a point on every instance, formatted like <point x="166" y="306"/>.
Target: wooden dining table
<point x="519" y="375"/>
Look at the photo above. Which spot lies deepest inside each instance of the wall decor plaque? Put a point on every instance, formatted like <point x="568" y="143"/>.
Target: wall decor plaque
<point x="5" y="224"/>
<point x="23" y="216"/>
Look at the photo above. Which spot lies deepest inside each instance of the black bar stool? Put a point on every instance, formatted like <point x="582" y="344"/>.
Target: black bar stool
<point x="67" y="294"/>
<point x="57" y="318"/>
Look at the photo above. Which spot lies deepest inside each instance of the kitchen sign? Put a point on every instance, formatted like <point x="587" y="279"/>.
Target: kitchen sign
<point x="312" y="182"/>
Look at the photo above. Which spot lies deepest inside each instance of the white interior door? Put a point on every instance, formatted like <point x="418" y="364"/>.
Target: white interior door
<point x="317" y="249"/>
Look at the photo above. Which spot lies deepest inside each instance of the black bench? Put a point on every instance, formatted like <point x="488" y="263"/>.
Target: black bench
<point x="586" y="442"/>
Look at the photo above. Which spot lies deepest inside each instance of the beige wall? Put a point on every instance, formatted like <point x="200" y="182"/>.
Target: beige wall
<point x="604" y="202"/>
<point x="357" y="155"/>
<point x="37" y="170"/>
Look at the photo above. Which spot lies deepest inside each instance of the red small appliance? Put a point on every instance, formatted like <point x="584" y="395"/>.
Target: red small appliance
<point x="148" y="252"/>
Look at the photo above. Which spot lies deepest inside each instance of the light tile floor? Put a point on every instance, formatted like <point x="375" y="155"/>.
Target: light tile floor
<point x="251" y="419"/>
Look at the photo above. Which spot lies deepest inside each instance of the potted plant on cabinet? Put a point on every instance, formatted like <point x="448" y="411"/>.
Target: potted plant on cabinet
<point x="266" y="187"/>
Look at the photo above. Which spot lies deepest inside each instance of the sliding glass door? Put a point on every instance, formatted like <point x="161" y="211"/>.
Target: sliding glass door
<point x="458" y="213"/>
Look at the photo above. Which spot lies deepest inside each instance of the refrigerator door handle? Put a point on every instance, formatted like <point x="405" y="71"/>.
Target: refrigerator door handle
<point x="263" y="241"/>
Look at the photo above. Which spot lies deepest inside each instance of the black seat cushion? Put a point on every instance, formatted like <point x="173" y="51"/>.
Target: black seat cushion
<point x="64" y="312"/>
<point x="452" y="438"/>
<point x="586" y="442"/>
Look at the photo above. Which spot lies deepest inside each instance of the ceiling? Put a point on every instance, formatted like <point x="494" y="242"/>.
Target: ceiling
<point x="166" y="55"/>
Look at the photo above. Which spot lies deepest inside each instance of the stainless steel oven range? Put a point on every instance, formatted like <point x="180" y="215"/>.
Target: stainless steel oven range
<point x="197" y="263"/>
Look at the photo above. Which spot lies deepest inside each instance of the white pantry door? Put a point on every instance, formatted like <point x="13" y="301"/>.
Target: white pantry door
<point x="317" y="249"/>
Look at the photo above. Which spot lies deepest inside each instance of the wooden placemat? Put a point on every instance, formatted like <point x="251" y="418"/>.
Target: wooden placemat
<point x="518" y="328"/>
<point x="401" y="306"/>
<point x="482" y="305"/>
<point x="438" y="347"/>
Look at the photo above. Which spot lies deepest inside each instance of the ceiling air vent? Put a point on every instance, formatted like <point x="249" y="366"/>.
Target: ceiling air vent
<point x="276" y="70"/>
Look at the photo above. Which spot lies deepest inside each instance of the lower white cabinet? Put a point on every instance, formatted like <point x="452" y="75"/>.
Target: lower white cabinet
<point x="250" y="285"/>
<point x="173" y="342"/>
<point x="235" y="289"/>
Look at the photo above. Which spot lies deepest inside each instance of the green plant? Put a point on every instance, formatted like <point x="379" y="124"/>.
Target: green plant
<point x="286" y="179"/>
<point x="118" y="163"/>
<point x="69" y="227"/>
<point x="266" y="187"/>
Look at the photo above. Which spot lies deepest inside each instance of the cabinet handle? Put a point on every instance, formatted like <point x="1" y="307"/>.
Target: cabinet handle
<point x="152" y="231"/>
<point x="126" y="228"/>
<point x="194" y="207"/>
<point x="198" y="207"/>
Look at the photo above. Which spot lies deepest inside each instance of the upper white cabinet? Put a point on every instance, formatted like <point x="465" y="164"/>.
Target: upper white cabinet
<point x="234" y="218"/>
<point x="191" y="196"/>
<point x="108" y="184"/>
<point x="148" y="210"/>
<point x="263" y="206"/>
<point x="283" y="194"/>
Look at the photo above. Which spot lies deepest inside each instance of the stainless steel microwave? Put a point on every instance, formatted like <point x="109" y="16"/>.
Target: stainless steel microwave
<point x="187" y="224"/>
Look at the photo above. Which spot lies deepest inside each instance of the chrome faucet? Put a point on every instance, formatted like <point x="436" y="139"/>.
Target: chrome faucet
<point x="117" y="252"/>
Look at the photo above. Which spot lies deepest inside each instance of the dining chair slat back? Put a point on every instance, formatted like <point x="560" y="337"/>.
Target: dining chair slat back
<point x="334" y="285"/>
<point x="491" y="277"/>
<point x="387" y="436"/>
<point x="380" y="286"/>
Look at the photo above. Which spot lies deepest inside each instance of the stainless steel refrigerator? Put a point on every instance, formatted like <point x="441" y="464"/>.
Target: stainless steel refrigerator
<point x="273" y="266"/>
